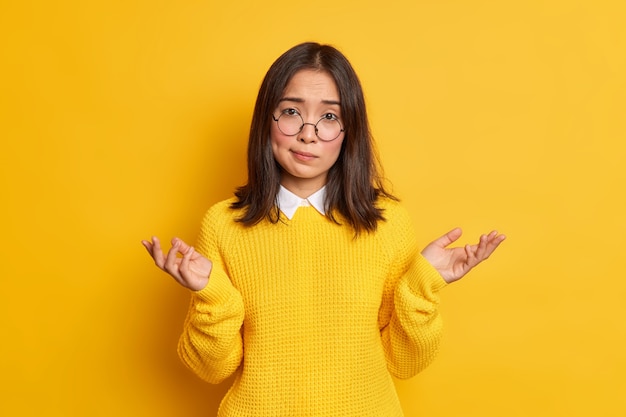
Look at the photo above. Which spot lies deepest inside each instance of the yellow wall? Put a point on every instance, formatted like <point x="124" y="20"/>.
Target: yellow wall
<point x="123" y="119"/>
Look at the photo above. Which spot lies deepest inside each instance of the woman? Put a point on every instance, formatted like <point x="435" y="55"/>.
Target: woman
<point x="308" y="284"/>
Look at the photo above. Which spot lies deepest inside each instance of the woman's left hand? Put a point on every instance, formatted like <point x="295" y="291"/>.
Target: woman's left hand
<point x="454" y="263"/>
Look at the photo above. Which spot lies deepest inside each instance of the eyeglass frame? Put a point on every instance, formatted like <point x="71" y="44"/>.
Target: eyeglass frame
<point x="306" y="123"/>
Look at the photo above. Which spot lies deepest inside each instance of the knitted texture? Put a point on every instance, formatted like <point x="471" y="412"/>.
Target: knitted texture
<point x="313" y="321"/>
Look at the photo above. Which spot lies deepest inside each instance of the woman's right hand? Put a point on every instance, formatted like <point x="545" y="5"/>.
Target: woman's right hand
<point x="192" y="270"/>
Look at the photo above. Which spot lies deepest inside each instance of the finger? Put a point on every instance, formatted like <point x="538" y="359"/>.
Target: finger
<point x="491" y="242"/>
<point x="470" y="253"/>
<point x="449" y="237"/>
<point x="147" y="245"/>
<point x="481" y="247"/>
<point x="172" y="261"/>
<point x="182" y="246"/>
<point x="184" y="264"/>
<point x="157" y="252"/>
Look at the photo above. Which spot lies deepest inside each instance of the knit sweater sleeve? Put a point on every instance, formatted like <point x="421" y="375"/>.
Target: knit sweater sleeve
<point x="411" y="326"/>
<point x="211" y="343"/>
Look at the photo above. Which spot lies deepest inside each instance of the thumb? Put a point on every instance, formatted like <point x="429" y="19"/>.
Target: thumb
<point x="449" y="237"/>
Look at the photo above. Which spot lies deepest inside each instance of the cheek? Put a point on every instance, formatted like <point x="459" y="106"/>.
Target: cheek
<point x="335" y="148"/>
<point x="277" y="139"/>
<point x="274" y="143"/>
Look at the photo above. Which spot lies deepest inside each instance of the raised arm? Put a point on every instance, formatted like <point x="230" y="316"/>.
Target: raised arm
<point x="211" y="344"/>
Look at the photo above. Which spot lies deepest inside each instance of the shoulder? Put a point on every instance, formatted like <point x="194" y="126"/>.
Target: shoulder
<point x="395" y="214"/>
<point x="219" y="226"/>
<point x="396" y="232"/>
<point x="220" y="214"/>
<point x="222" y="208"/>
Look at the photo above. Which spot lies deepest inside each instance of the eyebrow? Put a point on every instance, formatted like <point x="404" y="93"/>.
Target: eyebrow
<point x="301" y="100"/>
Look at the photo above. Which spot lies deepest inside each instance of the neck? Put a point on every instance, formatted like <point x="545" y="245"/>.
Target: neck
<point x="303" y="191"/>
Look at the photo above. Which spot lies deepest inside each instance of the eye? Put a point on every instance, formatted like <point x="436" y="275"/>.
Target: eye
<point x="330" y="116"/>
<point x="290" y="112"/>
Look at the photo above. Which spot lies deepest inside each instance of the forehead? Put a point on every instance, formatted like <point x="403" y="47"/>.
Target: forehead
<point x="313" y="85"/>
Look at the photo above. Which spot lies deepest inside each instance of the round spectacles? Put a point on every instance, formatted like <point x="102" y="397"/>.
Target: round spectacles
<point x="327" y="128"/>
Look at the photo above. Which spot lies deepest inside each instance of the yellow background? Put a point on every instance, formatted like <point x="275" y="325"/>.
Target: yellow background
<point x="124" y="119"/>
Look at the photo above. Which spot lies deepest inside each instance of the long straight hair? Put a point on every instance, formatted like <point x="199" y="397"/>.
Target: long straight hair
<point x="354" y="183"/>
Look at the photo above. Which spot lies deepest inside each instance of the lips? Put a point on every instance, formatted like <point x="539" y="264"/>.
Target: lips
<point x="304" y="156"/>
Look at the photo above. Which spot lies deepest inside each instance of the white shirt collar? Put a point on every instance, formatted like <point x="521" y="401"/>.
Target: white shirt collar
<point x="288" y="202"/>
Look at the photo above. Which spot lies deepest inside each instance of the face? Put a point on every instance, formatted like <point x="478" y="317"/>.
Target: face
<point x="304" y="158"/>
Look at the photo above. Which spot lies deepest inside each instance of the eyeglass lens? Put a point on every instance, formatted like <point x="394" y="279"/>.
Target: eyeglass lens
<point x="327" y="129"/>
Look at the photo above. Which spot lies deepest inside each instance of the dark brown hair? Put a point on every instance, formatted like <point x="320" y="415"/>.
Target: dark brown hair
<point x="354" y="182"/>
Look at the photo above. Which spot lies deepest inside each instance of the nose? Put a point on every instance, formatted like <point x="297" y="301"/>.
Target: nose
<point x="308" y="134"/>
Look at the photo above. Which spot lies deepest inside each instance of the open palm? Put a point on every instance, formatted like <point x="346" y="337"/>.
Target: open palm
<point x="454" y="263"/>
<point x="191" y="270"/>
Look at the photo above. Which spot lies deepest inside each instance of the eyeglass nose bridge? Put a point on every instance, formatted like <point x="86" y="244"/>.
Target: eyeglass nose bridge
<point x="312" y="124"/>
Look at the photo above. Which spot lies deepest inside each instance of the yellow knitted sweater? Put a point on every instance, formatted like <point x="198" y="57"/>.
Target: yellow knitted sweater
<point x="313" y="321"/>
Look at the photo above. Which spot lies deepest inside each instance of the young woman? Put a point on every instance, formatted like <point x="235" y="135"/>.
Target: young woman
<point x="308" y="284"/>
